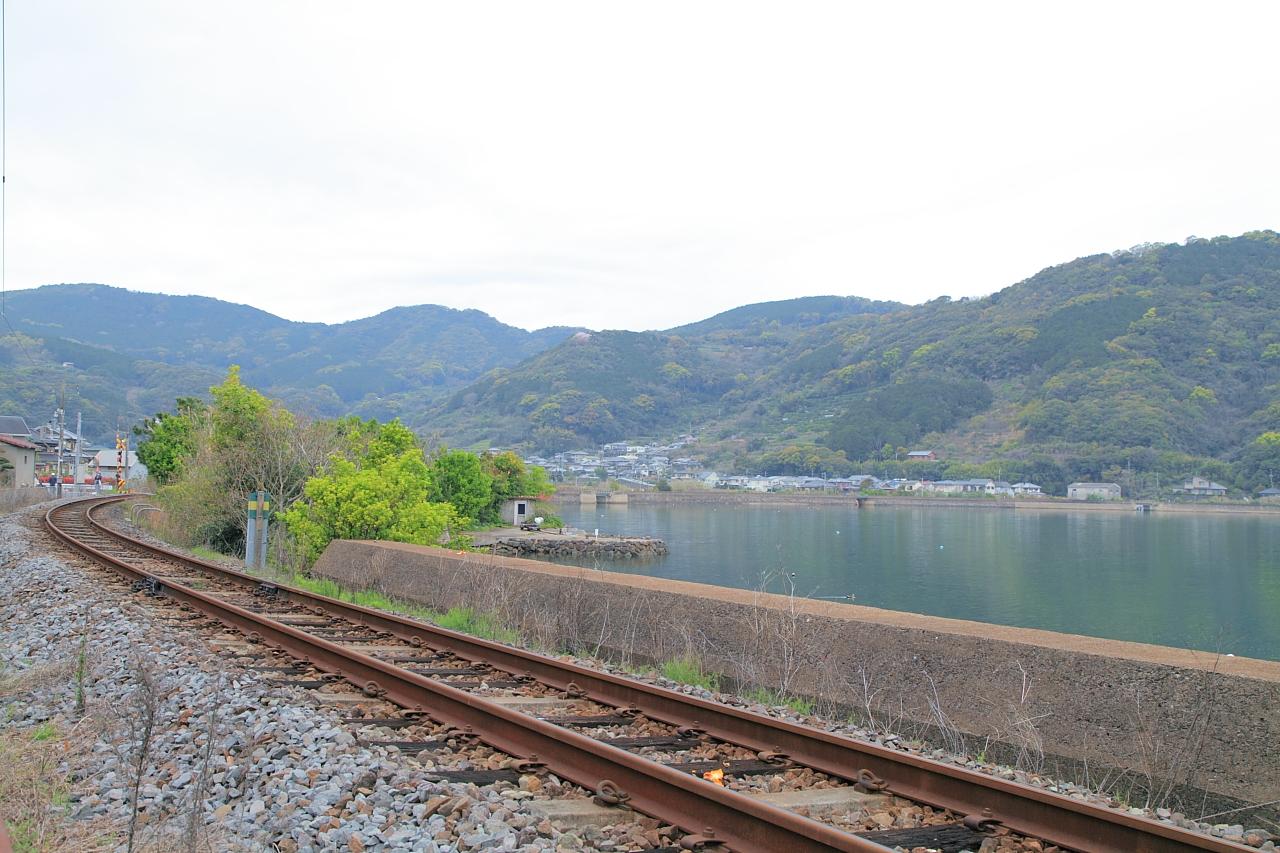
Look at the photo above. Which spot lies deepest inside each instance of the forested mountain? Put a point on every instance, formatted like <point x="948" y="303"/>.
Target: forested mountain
<point x="134" y="353"/>
<point x="1161" y="359"/>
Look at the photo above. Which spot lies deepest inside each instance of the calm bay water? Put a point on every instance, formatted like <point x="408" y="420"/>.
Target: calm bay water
<point x="1206" y="582"/>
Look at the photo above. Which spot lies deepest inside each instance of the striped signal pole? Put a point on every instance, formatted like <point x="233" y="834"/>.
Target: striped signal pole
<point x="122" y="453"/>
<point x="255" y="535"/>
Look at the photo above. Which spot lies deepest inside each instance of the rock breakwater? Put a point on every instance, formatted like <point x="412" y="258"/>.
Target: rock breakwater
<point x="603" y="547"/>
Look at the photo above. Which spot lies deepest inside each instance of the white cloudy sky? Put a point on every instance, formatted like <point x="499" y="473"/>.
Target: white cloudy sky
<point x="622" y="166"/>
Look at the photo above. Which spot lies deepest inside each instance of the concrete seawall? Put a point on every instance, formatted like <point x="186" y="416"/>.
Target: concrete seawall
<point x="1170" y="714"/>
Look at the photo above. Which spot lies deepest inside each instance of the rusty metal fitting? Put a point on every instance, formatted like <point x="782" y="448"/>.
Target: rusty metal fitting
<point x="691" y="731"/>
<point x="530" y="765"/>
<point x="254" y="637"/>
<point x="869" y="783"/>
<point x="573" y="690"/>
<point x="706" y="840"/>
<point x="373" y="689"/>
<point x="629" y="711"/>
<point x="609" y="794"/>
<point x="984" y="822"/>
<point x="465" y="734"/>
<point x="773" y="756"/>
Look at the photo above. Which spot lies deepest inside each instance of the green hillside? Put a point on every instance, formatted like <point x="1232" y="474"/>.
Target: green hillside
<point x="1164" y="358"/>
<point x="805" y="311"/>
<point x="134" y="353"/>
<point x="612" y="385"/>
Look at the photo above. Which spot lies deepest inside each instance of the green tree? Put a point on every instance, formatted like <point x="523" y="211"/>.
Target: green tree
<point x="169" y="440"/>
<point x="1259" y="465"/>
<point x="243" y="441"/>
<point x="511" y="478"/>
<point x="239" y="412"/>
<point x="389" y="500"/>
<point x="1204" y="396"/>
<point x="459" y="478"/>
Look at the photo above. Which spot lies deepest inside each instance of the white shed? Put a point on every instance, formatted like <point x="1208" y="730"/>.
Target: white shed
<point x="517" y="511"/>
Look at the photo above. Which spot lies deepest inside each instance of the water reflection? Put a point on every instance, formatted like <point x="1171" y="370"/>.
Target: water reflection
<point x="1207" y="582"/>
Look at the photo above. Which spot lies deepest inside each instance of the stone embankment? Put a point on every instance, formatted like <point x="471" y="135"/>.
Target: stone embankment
<point x="601" y="548"/>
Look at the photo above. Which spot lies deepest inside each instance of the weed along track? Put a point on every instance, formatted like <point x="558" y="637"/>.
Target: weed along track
<point x="714" y="776"/>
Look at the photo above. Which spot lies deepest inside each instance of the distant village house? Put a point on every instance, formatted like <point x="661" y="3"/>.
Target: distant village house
<point x="1093" y="491"/>
<point x="21" y="455"/>
<point x="1200" y="487"/>
<point x="105" y="463"/>
<point x="922" y="456"/>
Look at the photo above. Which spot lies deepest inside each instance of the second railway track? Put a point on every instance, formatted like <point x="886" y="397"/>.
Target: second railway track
<point x="634" y="744"/>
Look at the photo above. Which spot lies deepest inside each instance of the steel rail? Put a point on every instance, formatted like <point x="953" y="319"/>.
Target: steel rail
<point x="708" y="812"/>
<point x="1035" y="812"/>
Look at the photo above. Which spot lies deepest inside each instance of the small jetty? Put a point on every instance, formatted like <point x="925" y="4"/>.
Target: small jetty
<point x="568" y="542"/>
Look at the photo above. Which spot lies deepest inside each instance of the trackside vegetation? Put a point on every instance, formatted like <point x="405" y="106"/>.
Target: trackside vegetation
<point x="329" y="479"/>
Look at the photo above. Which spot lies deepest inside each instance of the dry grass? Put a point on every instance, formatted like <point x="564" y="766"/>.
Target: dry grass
<point x="34" y="790"/>
<point x="13" y="682"/>
<point x="34" y="768"/>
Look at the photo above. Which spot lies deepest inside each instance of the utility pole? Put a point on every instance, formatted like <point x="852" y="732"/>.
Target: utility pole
<point x="62" y="422"/>
<point x="62" y="398"/>
<point x="75" y="464"/>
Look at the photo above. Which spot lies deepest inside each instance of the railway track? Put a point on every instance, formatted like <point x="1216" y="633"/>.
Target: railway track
<point x="635" y="745"/>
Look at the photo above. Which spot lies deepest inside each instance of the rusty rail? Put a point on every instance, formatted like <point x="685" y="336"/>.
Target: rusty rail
<point x="711" y="814"/>
<point x="984" y="799"/>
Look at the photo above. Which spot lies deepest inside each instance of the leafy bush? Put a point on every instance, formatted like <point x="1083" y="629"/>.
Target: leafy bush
<point x="388" y="500"/>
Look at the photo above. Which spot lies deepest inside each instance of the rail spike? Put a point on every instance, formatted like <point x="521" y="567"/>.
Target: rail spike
<point x="869" y="783"/>
<point x="609" y="794"/>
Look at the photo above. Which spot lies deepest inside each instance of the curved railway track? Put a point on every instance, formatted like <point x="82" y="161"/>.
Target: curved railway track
<point x="449" y="677"/>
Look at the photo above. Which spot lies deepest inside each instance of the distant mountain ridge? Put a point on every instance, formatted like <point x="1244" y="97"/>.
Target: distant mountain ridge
<point x="134" y="352"/>
<point x="1165" y="358"/>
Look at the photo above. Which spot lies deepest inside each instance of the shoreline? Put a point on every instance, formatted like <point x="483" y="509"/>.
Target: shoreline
<point x="854" y="501"/>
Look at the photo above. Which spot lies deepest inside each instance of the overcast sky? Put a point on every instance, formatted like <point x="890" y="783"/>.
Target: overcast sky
<point x="622" y="166"/>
